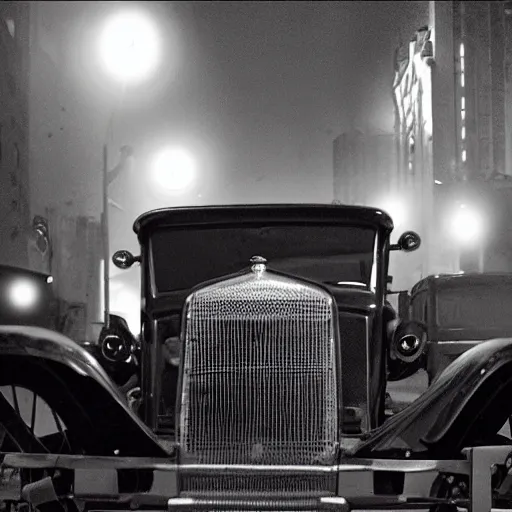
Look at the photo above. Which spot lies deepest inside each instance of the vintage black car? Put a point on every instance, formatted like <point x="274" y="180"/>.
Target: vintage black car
<point x="459" y="311"/>
<point x="287" y="277"/>
<point x="282" y="370"/>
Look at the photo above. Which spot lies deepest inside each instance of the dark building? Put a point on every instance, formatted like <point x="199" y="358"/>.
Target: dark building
<point x="14" y="144"/>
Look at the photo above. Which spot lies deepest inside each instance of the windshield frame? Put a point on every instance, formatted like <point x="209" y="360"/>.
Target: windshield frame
<point x="372" y="277"/>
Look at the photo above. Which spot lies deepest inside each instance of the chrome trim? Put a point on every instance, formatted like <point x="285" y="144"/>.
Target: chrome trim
<point x="461" y="342"/>
<point x="368" y="362"/>
<point x="241" y="468"/>
<point x="257" y="504"/>
<point x="246" y="303"/>
<point x="42" y="461"/>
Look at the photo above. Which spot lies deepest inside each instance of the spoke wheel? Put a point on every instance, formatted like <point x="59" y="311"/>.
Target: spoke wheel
<point x="42" y="421"/>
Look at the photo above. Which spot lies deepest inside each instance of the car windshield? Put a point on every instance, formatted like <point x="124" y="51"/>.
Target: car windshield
<point x="183" y="258"/>
<point x="471" y="307"/>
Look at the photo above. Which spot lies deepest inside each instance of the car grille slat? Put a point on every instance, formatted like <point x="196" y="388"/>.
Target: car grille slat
<point x="260" y="374"/>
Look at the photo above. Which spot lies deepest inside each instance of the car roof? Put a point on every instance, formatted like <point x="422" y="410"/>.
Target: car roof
<point x="262" y="213"/>
<point x="462" y="279"/>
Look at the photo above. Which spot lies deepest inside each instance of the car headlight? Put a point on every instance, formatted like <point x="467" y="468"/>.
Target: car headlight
<point x="23" y="294"/>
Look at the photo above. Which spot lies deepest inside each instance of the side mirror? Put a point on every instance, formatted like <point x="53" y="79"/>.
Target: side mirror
<point x="408" y="242"/>
<point x="124" y="259"/>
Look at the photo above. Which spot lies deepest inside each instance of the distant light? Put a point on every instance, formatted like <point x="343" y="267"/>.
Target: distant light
<point x="396" y="210"/>
<point x="351" y="283"/>
<point x="437" y="182"/>
<point x="49" y="279"/>
<point x="174" y="170"/>
<point x="129" y="46"/>
<point x="126" y="302"/>
<point x="23" y="293"/>
<point x="466" y="225"/>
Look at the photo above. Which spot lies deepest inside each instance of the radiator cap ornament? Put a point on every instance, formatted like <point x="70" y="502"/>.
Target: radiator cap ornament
<point x="259" y="264"/>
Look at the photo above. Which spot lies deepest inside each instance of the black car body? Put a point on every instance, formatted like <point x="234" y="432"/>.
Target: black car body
<point x="285" y="342"/>
<point x="341" y="251"/>
<point x="444" y="450"/>
<point x="460" y="311"/>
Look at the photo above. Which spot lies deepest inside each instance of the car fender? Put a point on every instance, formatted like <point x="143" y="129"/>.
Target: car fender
<point x="47" y="345"/>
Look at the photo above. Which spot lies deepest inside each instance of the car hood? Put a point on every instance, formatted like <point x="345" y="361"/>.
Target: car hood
<point x="428" y="418"/>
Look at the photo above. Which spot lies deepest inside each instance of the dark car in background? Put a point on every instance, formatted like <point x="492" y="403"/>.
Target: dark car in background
<point x="459" y="311"/>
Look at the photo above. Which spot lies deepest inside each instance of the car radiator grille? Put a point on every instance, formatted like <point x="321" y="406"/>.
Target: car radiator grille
<point x="260" y="375"/>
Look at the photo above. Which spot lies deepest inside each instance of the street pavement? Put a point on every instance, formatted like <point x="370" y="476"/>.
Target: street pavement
<point x="407" y="390"/>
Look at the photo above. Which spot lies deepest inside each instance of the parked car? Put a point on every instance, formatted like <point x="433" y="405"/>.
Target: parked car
<point x="459" y="311"/>
<point x="284" y="343"/>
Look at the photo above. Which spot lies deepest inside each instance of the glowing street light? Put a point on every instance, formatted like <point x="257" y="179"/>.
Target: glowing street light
<point x="129" y="50"/>
<point x="466" y="225"/>
<point x="396" y="210"/>
<point x="23" y="294"/>
<point x="173" y="170"/>
<point x="129" y="46"/>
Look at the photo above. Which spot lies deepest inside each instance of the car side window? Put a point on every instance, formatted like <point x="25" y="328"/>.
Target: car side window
<point x="505" y="430"/>
<point x="419" y="307"/>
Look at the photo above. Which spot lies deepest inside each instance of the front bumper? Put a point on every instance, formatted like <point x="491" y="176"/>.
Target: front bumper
<point x="95" y="485"/>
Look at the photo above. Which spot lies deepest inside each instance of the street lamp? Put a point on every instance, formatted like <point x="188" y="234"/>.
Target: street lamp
<point x="129" y="46"/>
<point x="129" y="49"/>
<point x="173" y="170"/>
<point x="466" y="225"/>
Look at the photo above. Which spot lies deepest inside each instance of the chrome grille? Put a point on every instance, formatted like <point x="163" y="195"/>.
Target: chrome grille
<point x="260" y="375"/>
<point x="289" y="485"/>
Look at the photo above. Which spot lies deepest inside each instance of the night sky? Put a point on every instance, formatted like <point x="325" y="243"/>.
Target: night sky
<point x="259" y="90"/>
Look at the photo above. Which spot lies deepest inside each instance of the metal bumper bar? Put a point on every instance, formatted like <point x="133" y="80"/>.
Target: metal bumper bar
<point x="96" y="481"/>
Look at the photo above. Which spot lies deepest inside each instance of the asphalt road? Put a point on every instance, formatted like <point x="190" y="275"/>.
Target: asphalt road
<point x="407" y="390"/>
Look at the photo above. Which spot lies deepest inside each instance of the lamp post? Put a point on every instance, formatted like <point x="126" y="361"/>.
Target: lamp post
<point x="128" y="48"/>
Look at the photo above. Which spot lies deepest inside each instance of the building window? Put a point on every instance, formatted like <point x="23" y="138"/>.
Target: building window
<point x="462" y="55"/>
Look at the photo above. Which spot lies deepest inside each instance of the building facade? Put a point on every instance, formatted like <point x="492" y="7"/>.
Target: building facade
<point x="452" y="101"/>
<point x="50" y="175"/>
<point x="14" y="129"/>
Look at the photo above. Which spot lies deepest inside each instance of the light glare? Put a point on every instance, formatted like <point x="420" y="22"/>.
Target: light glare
<point x="466" y="225"/>
<point x="129" y="46"/>
<point x="126" y="303"/>
<point x="174" y="170"/>
<point x="396" y="210"/>
<point x="23" y="294"/>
